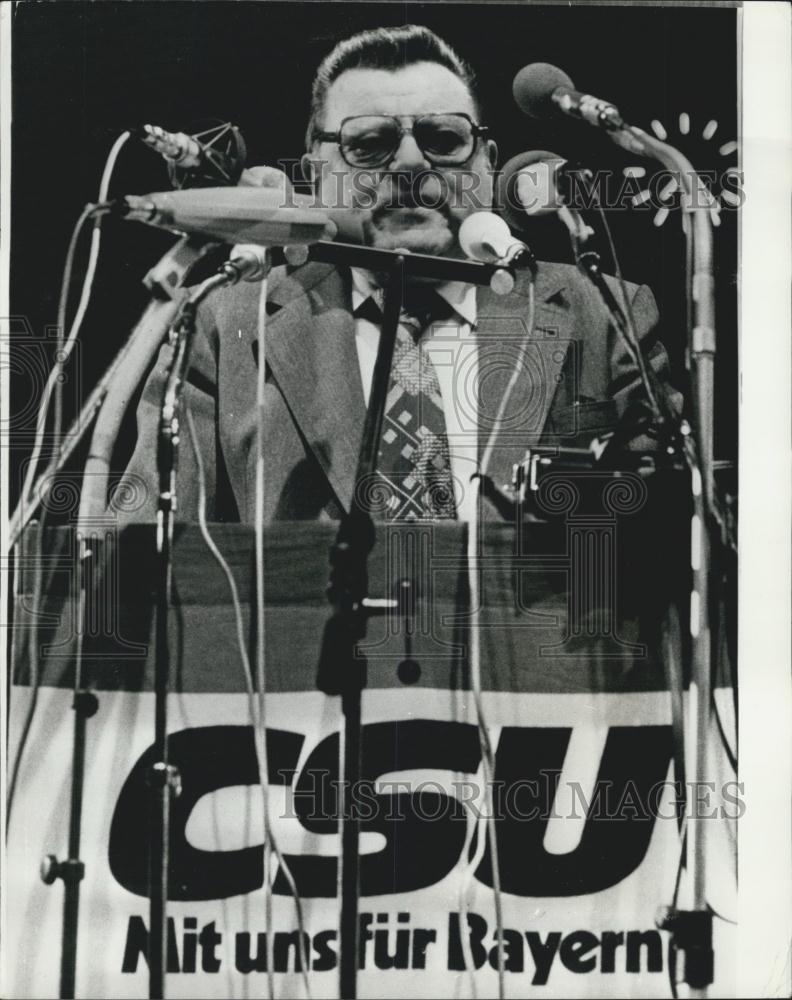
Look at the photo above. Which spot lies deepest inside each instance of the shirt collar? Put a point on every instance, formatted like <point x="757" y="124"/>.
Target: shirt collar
<point x="459" y="295"/>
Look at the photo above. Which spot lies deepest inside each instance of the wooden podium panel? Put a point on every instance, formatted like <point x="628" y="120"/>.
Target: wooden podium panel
<point x="558" y="614"/>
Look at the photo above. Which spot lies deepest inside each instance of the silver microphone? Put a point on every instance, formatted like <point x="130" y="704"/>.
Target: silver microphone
<point x="176" y="147"/>
<point x="485" y="236"/>
<point x="244" y="215"/>
<point x="215" y="156"/>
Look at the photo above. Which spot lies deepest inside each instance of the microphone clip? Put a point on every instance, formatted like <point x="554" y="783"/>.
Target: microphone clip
<point x="213" y="156"/>
<point x="519" y="256"/>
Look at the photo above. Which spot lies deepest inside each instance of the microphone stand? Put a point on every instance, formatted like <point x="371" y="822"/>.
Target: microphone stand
<point x="164" y="778"/>
<point x="691" y="930"/>
<point x="342" y="670"/>
<point x="697" y="226"/>
<point x="108" y="399"/>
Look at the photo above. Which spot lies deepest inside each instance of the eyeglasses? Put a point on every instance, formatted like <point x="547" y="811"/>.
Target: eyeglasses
<point x="371" y="141"/>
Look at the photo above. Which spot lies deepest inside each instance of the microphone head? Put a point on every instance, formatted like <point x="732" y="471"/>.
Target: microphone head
<point x="267" y="177"/>
<point x="214" y="156"/>
<point x="534" y="86"/>
<point x="527" y="185"/>
<point x="247" y="215"/>
<point x="485" y="236"/>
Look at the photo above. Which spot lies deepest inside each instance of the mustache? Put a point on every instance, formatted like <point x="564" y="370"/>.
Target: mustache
<point x="427" y="190"/>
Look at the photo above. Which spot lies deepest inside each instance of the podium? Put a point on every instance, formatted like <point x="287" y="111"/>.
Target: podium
<point x="574" y="689"/>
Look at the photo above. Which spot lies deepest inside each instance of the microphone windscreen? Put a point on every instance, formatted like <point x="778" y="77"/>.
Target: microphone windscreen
<point x="527" y="186"/>
<point x="485" y="236"/>
<point x="269" y="216"/>
<point x="533" y="88"/>
<point x="266" y="177"/>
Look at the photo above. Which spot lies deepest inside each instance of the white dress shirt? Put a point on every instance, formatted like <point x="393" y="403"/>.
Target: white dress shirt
<point x="451" y="345"/>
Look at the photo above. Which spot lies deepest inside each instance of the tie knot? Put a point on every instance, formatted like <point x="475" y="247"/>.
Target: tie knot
<point x="413" y="324"/>
<point x="421" y="306"/>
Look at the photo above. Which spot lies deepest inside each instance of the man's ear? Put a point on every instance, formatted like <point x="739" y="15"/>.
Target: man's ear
<point x="309" y="168"/>
<point x="492" y="152"/>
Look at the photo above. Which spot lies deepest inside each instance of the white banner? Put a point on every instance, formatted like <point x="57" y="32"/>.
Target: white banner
<point x="588" y="840"/>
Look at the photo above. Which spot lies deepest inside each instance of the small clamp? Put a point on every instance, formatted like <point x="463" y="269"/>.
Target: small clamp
<point x="165" y="775"/>
<point x="69" y="870"/>
<point x="691" y="933"/>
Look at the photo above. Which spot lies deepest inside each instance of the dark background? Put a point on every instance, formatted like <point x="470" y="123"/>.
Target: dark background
<point x="84" y="72"/>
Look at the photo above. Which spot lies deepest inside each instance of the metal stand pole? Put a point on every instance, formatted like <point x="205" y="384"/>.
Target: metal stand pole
<point x="164" y="281"/>
<point x="163" y="777"/>
<point x="341" y="671"/>
<point x="72" y="870"/>
<point x="692" y="929"/>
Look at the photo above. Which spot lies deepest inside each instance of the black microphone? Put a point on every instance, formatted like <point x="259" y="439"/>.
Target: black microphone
<point x="543" y="91"/>
<point x="539" y="182"/>
<point x="533" y="183"/>
<point x="214" y="156"/>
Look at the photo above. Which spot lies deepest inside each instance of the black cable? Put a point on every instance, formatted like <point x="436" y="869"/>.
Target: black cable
<point x="730" y="754"/>
<point x="629" y="333"/>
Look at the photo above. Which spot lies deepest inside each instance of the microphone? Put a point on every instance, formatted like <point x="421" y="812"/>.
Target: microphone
<point x="536" y="183"/>
<point x="246" y="262"/>
<point x="542" y="91"/>
<point x="528" y="184"/>
<point x="250" y="259"/>
<point x="215" y="156"/>
<point x="484" y="236"/>
<point x="264" y="216"/>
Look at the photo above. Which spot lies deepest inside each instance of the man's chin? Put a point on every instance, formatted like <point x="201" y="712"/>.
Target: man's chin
<point x="413" y="232"/>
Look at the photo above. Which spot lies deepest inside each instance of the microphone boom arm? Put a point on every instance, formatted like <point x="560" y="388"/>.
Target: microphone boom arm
<point x="698" y="231"/>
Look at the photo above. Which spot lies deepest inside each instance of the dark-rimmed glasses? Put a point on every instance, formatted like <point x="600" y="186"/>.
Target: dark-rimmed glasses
<point x="371" y="141"/>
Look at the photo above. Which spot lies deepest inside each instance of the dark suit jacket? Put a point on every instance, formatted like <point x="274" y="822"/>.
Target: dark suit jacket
<point x="575" y="383"/>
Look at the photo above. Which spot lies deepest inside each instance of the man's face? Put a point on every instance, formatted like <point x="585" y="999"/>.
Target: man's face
<point x="415" y="206"/>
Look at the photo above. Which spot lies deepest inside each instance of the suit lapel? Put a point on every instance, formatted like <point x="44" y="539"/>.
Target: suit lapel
<point x="501" y="332"/>
<point x="311" y="351"/>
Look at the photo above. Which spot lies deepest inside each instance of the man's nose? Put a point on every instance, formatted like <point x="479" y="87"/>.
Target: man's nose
<point x="409" y="155"/>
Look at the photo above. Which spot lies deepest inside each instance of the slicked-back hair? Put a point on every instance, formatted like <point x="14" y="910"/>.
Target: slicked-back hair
<point x="388" y="49"/>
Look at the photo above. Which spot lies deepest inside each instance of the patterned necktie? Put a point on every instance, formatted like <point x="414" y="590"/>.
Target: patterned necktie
<point x="413" y="478"/>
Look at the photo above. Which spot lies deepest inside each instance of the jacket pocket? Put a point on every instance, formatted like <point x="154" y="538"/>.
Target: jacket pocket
<point x="584" y="418"/>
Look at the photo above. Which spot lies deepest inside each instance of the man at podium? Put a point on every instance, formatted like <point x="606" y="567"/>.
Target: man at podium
<point x="395" y="126"/>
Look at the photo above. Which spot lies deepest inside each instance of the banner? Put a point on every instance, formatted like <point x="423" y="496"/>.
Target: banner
<point x="588" y="840"/>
